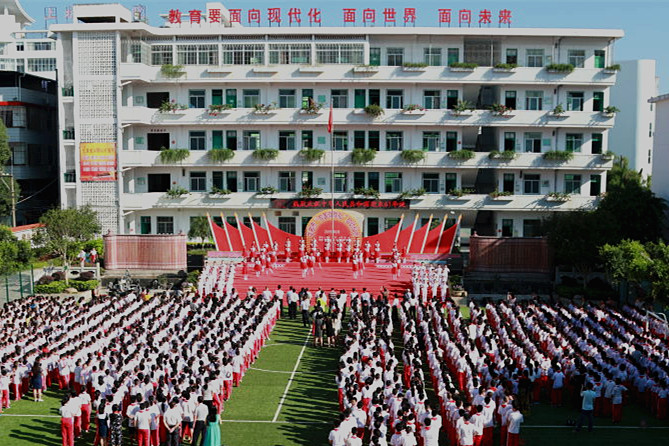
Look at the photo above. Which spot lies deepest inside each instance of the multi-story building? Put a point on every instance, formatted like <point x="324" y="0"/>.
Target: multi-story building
<point x="123" y="73"/>
<point x="632" y="136"/>
<point x="660" y="181"/>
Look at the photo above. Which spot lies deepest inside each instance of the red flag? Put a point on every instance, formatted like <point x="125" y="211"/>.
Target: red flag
<point x="330" y="121"/>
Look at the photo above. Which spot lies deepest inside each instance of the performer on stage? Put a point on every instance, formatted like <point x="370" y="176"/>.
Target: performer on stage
<point x="287" y="249"/>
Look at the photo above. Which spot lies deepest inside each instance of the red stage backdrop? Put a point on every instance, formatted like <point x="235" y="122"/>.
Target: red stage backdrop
<point x="322" y="224"/>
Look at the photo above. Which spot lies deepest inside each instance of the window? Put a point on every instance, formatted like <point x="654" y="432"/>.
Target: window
<point x="395" y="56"/>
<point x="251" y="139"/>
<point x="40" y="46"/>
<point x="572" y="184"/>
<point x="290" y="53"/>
<point x="451" y="141"/>
<point x="13" y="116"/>
<point x="358" y="180"/>
<point x="217" y="179"/>
<point x="157" y="141"/>
<point x="217" y="139"/>
<point x="507" y="227"/>
<point x="307" y="139"/>
<point x="205" y="54"/>
<point x="431" y="183"/>
<point x="19" y="154"/>
<point x="231" y="97"/>
<point x="532" y="228"/>
<point x="432" y="56"/>
<point x="394" y="140"/>
<point x="198" y="182"/>
<point x="359" y="98"/>
<point x="287" y="140"/>
<point x="156" y="99"/>
<point x="453" y="56"/>
<point x="510" y="99"/>
<point x="576" y="58"/>
<point x="451" y="98"/>
<point x="431" y="141"/>
<point x="533" y="142"/>
<point x="575" y="100"/>
<point x="375" y="56"/>
<point x="165" y="225"/>
<point x="508" y="183"/>
<point x="158" y="182"/>
<point x="432" y="99"/>
<point x="288" y="225"/>
<point x="287" y="99"/>
<point x="286" y="181"/>
<point x="535" y="58"/>
<point x="196" y="98"/>
<point x="598" y="101"/>
<point x="231" y="139"/>
<point x="597" y="143"/>
<point x="600" y="59"/>
<point x="307" y="179"/>
<point x="340" y="53"/>
<point x="339" y="98"/>
<point x="251" y="181"/>
<point x="372" y="226"/>
<point x="42" y="64"/>
<point x="451" y="181"/>
<point x="359" y="139"/>
<point x="250" y="98"/>
<point x="374" y="180"/>
<point x="374" y="140"/>
<point x="145" y="225"/>
<point x="573" y="142"/>
<point x="20" y="46"/>
<point x="531" y="183"/>
<point x="509" y="141"/>
<point x="595" y="185"/>
<point x="393" y="182"/>
<point x="247" y="54"/>
<point x="161" y="55"/>
<point x="374" y="96"/>
<point x="197" y="139"/>
<point x="511" y="56"/>
<point x="231" y="181"/>
<point x="395" y="99"/>
<point x="217" y="97"/>
<point x="390" y="222"/>
<point x="340" y="185"/>
<point x="340" y="140"/>
<point x="534" y="100"/>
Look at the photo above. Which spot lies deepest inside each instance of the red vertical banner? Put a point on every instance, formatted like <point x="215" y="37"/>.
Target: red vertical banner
<point x="330" y="120"/>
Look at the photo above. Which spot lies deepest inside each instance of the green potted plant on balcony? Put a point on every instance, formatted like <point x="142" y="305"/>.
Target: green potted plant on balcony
<point x="220" y="155"/>
<point x="172" y="71"/>
<point x="612" y="69"/>
<point x="462" y="108"/>
<point x="463" y="66"/>
<point x="500" y="195"/>
<point x="311" y="107"/>
<point x="363" y="156"/>
<point x="268" y="190"/>
<point x="264" y="109"/>
<point x="560" y="68"/>
<point x="171" y="107"/>
<point x="610" y="111"/>
<point x="310" y="154"/>
<point x="374" y="110"/>
<point x="367" y="192"/>
<point x="176" y="192"/>
<point x="454" y="194"/>
<point x="413" y="109"/>
<point x="217" y="192"/>
<point x="172" y="156"/>
<point x="412" y="156"/>
<point x="461" y="155"/>
<point x="414" y="66"/>
<point x="559" y="197"/>
<point x="558" y="111"/>
<point x="506" y="155"/>
<point x="366" y="69"/>
<point x="412" y="194"/>
<point x="501" y="110"/>
<point x="265" y="154"/>
<point x="607" y="156"/>
<point x="310" y="192"/>
<point x="560" y="156"/>
<point x="504" y="67"/>
<point x="216" y="109"/>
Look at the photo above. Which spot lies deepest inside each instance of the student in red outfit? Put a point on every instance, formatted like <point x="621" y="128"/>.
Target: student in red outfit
<point x="515" y="418"/>
<point x="143" y="424"/>
<point x="67" y="422"/>
<point x="617" y="402"/>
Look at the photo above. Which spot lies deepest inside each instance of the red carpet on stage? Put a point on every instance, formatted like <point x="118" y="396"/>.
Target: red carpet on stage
<point x="330" y="275"/>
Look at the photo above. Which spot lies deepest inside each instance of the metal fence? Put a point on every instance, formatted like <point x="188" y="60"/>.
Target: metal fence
<point x="16" y="286"/>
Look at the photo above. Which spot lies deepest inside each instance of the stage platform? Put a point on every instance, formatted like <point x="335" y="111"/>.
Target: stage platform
<point x="329" y="275"/>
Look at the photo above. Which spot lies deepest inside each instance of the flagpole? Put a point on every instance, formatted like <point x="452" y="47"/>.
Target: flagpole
<point x="269" y="233"/>
<point x="399" y="229"/>
<point x="225" y="227"/>
<point x="456" y="233"/>
<point x="253" y="228"/>
<point x="443" y="226"/>
<point x="413" y="230"/>
<point x="239" y="228"/>
<point x="429" y="223"/>
<point x="211" y="228"/>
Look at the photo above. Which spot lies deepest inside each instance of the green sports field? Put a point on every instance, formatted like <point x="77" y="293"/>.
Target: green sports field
<point x="275" y="406"/>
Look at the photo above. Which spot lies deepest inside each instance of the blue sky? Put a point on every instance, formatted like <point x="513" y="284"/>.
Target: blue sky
<point x="644" y="22"/>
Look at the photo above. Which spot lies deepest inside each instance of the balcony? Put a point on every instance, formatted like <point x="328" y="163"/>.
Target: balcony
<point x="136" y="72"/>
<point x="344" y="116"/>
<point x="249" y="200"/>
<point x="291" y="158"/>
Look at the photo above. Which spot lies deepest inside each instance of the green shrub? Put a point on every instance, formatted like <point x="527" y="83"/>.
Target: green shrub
<point x="172" y="71"/>
<point x="309" y="154"/>
<point x="268" y="190"/>
<point x="215" y="109"/>
<point x="266" y="154"/>
<point x="506" y="66"/>
<point x="412" y="156"/>
<point x="54" y="287"/>
<point x="614" y="67"/>
<point x="170" y="156"/>
<point x="218" y="191"/>
<point x="84" y="285"/>
<point x="461" y="155"/>
<point x="496" y="193"/>
<point x="363" y="156"/>
<point x="414" y="65"/>
<point x="506" y="155"/>
<point x="412" y="193"/>
<point x="310" y="192"/>
<point x="367" y="192"/>
<point x="374" y="110"/>
<point x="560" y="67"/>
<point x="467" y="65"/>
<point x="177" y="192"/>
<point x="97" y="243"/>
<point x="193" y="276"/>
<point x="558" y="155"/>
<point x="220" y="155"/>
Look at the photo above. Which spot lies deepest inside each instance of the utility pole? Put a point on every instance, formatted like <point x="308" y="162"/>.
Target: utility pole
<point x="13" y="195"/>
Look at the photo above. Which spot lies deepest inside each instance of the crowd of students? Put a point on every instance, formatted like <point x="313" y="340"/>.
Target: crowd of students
<point x="165" y="365"/>
<point x="487" y="371"/>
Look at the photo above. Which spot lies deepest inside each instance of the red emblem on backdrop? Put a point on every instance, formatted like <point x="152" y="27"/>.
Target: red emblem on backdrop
<point x="195" y="16"/>
<point x="465" y="16"/>
<point x="294" y="15"/>
<point x="445" y="16"/>
<point x="409" y="15"/>
<point x="349" y="15"/>
<point x="235" y="15"/>
<point x="274" y="15"/>
<point x="254" y="16"/>
<point x="215" y="16"/>
<point x="332" y="223"/>
<point x="174" y="16"/>
<point x="314" y="15"/>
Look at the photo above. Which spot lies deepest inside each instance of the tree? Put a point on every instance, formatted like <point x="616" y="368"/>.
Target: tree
<point x="199" y="228"/>
<point x="67" y="229"/>
<point x="14" y="254"/>
<point x="658" y="273"/>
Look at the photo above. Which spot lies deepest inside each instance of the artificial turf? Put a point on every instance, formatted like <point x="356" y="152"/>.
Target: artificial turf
<point x="311" y="404"/>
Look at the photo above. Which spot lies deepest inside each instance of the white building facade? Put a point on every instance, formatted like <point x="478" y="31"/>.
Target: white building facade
<point x="660" y="181"/>
<point x="119" y="72"/>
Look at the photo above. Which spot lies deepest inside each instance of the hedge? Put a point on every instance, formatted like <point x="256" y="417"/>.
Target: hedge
<point x="59" y="286"/>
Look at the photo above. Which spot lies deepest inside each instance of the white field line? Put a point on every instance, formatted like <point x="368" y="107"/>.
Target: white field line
<point x="290" y="380"/>
<point x="324" y="372"/>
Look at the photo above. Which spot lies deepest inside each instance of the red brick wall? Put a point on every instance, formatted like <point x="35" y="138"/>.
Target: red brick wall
<point x="494" y="254"/>
<point x="159" y="252"/>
